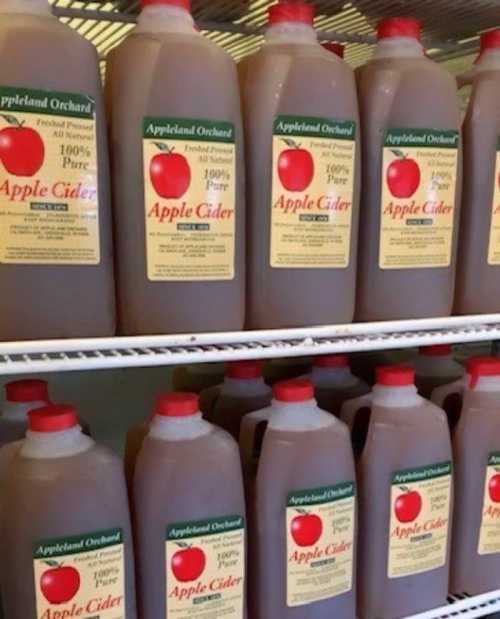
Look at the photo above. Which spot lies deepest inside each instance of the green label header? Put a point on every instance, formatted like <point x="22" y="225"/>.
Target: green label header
<point x="313" y="127"/>
<point x="188" y="129"/>
<point x="423" y="138"/>
<point x="202" y="528"/>
<point x="318" y="496"/>
<point x="45" y="102"/>
<point x="422" y="473"/>
<point x="77" y="544"/>
<point x="494" y="458"/>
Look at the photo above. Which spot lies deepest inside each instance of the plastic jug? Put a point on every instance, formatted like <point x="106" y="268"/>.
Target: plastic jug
<point x="405" y="501"/>
<point x="435" y="366"/>
<point x="21" y="396"/>
<point x="56" y="262"/>
<point x="304" y="513"/>
<point x="189" y="511"/>
<point x="178" y="166"/>
<point x="478" y="266"/>
<point x="302" y="147"/>
<point x="411" y="179"/>
<point x="65" y="535"/>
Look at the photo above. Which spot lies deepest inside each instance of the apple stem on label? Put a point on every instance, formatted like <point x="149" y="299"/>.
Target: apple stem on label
<point x="183" y="545"/>
<point x="291" y="143"/>
<point x="12" y="120"/>
<point x="164" y="147"/>
<point x="53" y="563"/>
<point x="404" y="489"/>
<point x="399" y="153"/>
<point x="301" y="511"/>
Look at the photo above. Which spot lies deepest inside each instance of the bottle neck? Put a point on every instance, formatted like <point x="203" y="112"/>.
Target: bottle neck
<point x="238" y="387"/>
<point x="441" y="365"/>
<point x="157" y="18"/>
<point x="485" y="384"/>
<point x="396" y="397"/>
<point x="298" y="416"/>
<point x="26" y="7"/>
<point x="333" y="377"/>
<point x="179" y="428"/>
<point x="52" y="445"/>
<point x="398" y="47"/>
<point x="290" y="33"/>
<point x="489" y="60"/>
<point x="18" y="411"/>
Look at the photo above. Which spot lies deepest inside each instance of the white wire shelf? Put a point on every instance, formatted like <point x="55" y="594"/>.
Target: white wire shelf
<point x="464" y="607"/>
<point x="148" y="351"/>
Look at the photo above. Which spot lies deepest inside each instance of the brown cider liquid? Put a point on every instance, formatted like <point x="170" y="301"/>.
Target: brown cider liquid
<point x="179" y="76"/>
<point x="229" y="411"/>
<point x="290" y="461"/>
<point x="400" y="93"/>
<point x="331" y="399"/>
<point x="398" y="439"/>
<point x="54" y="301"/>
<point x="478" y="281"/>
<point x="299" y="80"/>
<point x="179" y="481"/>
<point x="75" y="495"/>
<point x="476" y="436"/>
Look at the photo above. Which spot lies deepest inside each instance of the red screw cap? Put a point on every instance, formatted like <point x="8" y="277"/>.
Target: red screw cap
<point x="482" y="366"/>
<point x="336" y="48"/>
<point x="53" y="418"/>
<point x="178" y="404"/>
<point x="182" y="4"/>
<point x="27" y="391"/>
<point x="395" y="376"/>
<point x="399" y="27"/>
<point x="298" y="12"/>
<point x="298" y="390"/>
<point x="438" y="350"/>
<point x="331" y="361"/>
<point x="245" y="370"/>
<point x="490" y="40"/>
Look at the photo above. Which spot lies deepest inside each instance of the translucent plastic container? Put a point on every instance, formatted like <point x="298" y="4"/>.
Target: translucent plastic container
<point x="302" y="146"/>
<point x="334" y="383"/>
<point x="411" y="180"/>
<point x="21" y="396"/>
<point x="405" y="501"/>
<point x="435" y="366"/>
<point x="178" y="171"/>
<point x="300" y="566"/>
<point x="56" y="262"/>
<point x="285" y="368"/>
<point x="195" y="378"/>
<point x="478" y="266"/>
<point x="242" y="392"/>
<point x="189" y="511"/>
<point x="475" y="557"/>
<point x="66" y="537"/>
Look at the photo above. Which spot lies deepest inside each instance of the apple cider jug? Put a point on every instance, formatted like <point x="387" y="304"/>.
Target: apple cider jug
<point x="475" y="553"/>
<point x="178" y="173"/>
<point x="303" y="513"/>
<point x="478" y="266"/>
<point x="434" y="367"/>
<point x="411" y="180"/>
<point x="56" y="263"/>
<point x="301" y="131"/>
<point x="405" y="501"/>
<point x="189" y="510"/>
<point x="21" y="396"/>
<point x="65" y="532"/>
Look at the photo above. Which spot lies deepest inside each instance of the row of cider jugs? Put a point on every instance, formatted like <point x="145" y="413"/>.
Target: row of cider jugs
<point x="417" y="519"/>
<point x="320" y="156"/>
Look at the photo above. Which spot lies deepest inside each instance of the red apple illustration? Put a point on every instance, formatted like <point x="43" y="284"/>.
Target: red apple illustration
<point x="403" y="176"/>
<point x="170" y="173"/>
<point x="22" y="151"/>
<point x="408" y="505"/>
<point x="494" y="488"/>
<point x="60" y="583"/>
<point x="306" y="529"/>
<point x="295" y="167"/>
<point x="189" y="563"/>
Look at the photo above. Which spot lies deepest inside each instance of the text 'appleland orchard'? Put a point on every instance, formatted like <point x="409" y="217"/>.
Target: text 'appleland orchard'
<point x="188" y="129"/>
<point x="213" y="526"/>
<point x="423" y="473"/>
<point x="44" y="102"/>
<point x="315" y="127"/>
<point x="78" y="543"/>
<point x="321" y="495"/>
<point x="430" y="138"/>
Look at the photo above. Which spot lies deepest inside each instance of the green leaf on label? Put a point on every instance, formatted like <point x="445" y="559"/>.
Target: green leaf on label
<point x="301" y="511"/>
<point x="398" y="153"/>
<point x="12" y="120"/>
<point x="291" y="143"/>
<point x="164" y="147"/>
<point x="52" y="563"/>
<point x="183" y="545"/>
